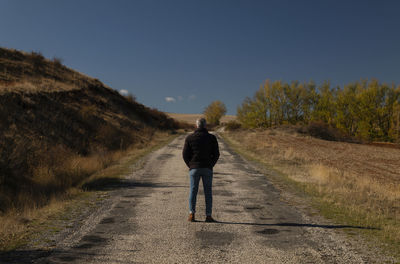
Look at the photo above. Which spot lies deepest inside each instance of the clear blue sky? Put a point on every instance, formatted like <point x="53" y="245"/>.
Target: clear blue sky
<point x="200" y="51"/>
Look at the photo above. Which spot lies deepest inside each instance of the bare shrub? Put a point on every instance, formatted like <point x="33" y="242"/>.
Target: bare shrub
<point x="232" y="125"/>
<point x="324" y="131"/>
<point x="131" y="98"/>
<point x="58" y="62"/>
<point x="37" y="60"/>
<point x="109" y="138"/>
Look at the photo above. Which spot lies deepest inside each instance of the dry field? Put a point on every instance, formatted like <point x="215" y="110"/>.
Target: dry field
<point x="361" y="181"/>
<point x="191" y="118"/>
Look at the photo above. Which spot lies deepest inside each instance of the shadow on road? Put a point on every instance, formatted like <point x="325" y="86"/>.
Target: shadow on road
<point x="107" y="184"/>
<point x="23" y="256"/>
<point x="221" y="173"/>
<point x="41" y="256"/>
<point x="299" y="225"/>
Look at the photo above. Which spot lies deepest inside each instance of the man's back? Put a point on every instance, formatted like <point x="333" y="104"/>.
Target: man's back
<point x="200" y="154"/>
<point x="201" y="149"/>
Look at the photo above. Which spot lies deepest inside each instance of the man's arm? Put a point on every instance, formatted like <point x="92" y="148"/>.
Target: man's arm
<point x="187" y="152"/>
<point x="215" y="154"/>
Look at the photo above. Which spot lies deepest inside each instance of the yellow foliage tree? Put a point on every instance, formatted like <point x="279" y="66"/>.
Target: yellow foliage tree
<point x="366" y="109"/>
<point x="214" y="112"/>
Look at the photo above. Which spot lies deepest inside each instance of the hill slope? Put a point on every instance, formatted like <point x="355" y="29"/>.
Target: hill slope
<point x="52" y="115"/>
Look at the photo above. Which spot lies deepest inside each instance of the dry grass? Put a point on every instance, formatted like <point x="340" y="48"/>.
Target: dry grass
<point x="19" y="223"/>
<point x="363" y="181"/>
<point x="35" y="86"/>
<point x="278" y="146"/>
<point x="58" y="126"/>
<point x="31" y="72"/>
<point x="39" y="171"/>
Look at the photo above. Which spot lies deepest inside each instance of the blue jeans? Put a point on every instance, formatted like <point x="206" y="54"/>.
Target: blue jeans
<point x="206" y="176"/>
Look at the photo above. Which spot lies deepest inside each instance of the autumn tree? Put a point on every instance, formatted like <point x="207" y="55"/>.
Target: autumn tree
<point x="310" y="100"/>
<point x="256" y="112"/>
<point x="214" y="112"/>
<point x="247" y="114"/>
<point x="325" y="107"/>
<point x="295" y="93"/>
<point x="348" y="109"/>
<point x="367" y="110"/>
<point x="395" y="128"/>
<point x="377" y="109"/>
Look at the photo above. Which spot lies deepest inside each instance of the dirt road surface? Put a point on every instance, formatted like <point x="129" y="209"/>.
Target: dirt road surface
<point x="144" y="220"/>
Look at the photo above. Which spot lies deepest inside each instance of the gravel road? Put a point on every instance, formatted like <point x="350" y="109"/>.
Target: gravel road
<point x="144" y="220"/>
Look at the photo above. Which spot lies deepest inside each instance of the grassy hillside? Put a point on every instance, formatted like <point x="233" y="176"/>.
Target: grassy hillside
<point x="58" y="126"/>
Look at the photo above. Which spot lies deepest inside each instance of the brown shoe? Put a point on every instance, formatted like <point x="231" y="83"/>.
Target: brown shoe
<point x="209" y="219"/>
<point x="191" y="217"/>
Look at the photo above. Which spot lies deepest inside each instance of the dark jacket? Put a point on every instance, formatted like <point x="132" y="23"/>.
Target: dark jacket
<point x="200" y="150"/>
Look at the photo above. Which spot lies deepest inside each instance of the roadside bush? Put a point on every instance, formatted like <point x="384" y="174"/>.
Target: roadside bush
<point x="37" y="60"/>
<point x="232" y="125"/>
<point x="111" y="138"/>
<point x="324" y="131"/>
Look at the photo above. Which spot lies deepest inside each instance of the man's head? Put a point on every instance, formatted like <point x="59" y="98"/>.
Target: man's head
<point x="201" y="123"/>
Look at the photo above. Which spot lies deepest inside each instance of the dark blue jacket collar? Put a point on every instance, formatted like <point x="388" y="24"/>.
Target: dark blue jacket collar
<point x="201" y="130"/>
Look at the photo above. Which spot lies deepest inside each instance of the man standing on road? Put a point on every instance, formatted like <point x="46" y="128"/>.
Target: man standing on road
<point x="200" y="154"/>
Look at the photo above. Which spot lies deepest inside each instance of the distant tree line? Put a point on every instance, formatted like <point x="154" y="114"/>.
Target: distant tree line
<point x="366" y="109"/>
